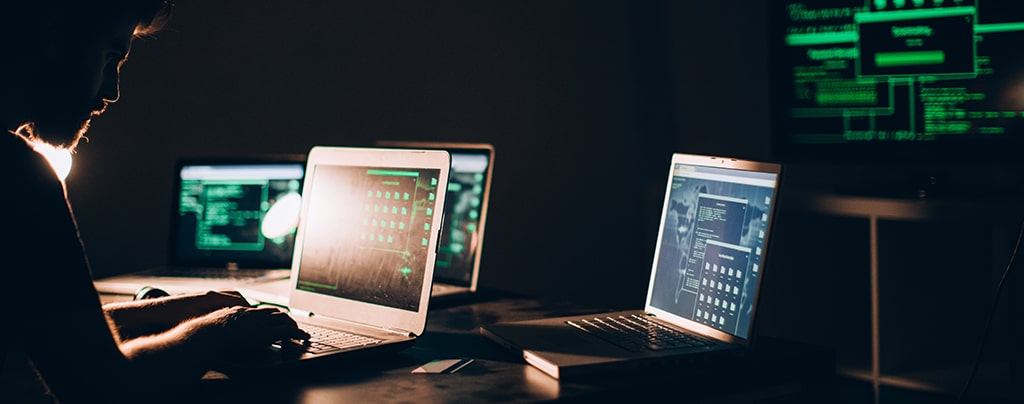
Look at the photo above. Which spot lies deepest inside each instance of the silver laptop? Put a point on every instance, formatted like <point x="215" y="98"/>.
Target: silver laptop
<point x="704" y="282"/>
<point x="457" y="270"/>
<point x="232" y="222"/>
<point x="365" y="252"/>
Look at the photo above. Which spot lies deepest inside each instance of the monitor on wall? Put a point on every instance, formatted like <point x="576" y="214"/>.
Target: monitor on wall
<point x="897" y="81"/>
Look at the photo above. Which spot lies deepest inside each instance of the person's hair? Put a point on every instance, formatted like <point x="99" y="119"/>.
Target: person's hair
<point x="152" y="15"/>
<point x="82" y="17"/>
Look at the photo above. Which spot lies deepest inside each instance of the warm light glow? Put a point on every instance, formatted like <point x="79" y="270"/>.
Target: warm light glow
<point x="60" y="159"/>
<point x="283" y="217"/>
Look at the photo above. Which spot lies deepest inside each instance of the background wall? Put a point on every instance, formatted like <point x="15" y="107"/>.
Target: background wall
<point x="583" y="100"/>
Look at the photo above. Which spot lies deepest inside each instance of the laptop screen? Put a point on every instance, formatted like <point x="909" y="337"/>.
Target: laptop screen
<point x="464" y="210"/>
<point x="235" y="213"/>
<point x="369" y="239"/>
<point x="712" y="245"/>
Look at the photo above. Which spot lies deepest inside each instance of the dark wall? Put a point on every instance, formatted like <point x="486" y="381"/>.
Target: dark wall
<point x="583" y="100"/>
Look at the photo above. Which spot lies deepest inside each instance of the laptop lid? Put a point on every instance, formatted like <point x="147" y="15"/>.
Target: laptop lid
<point x="235" y="212"/>
<point x="368" y="235"/>
<point x="465" y="210"/>
<point x="715" y="225"/>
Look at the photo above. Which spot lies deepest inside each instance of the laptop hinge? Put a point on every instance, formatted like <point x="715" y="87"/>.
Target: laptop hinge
<point x="300" y="313"/>
<point x="397" y="331"/>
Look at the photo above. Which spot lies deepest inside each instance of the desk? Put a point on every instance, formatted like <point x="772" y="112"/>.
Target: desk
<point x="776" y="369"/>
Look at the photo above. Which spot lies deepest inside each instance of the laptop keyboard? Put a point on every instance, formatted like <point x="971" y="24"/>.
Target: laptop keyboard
<point x="326" y="340"/>
<point x="638" y="333"/>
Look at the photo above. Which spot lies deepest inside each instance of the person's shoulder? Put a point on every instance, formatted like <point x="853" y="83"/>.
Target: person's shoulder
<point x="15" y="150"/>
<point x="18" y="160"/>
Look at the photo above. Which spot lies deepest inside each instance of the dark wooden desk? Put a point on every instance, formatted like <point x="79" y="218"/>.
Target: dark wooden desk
<point x="776" y="369"/>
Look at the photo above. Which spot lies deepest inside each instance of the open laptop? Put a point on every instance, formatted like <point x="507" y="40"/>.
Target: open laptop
<point x="457" y="269"/>
<point x="232" y="222"/>
<point x="365" y="249"/>
<point x="704" y="282"/>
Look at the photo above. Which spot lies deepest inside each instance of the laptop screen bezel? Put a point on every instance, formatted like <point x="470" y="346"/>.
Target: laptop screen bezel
<point x="719" y="162"/>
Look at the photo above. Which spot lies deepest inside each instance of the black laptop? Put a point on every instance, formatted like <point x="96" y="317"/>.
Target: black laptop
<point x="233" y="222"/>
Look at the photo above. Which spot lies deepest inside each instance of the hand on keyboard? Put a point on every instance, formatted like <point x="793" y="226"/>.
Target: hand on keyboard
<point x="290" y="345"/>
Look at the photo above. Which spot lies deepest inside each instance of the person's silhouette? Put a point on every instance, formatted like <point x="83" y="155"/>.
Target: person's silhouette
<point x="63" y="58"/>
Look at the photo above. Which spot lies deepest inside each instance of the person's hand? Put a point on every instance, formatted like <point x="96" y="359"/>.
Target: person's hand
<point x="149" y="316"/>
<point x="243" y="328"/>
<point x="200" y="303"/>
<point x="198" y="343"/>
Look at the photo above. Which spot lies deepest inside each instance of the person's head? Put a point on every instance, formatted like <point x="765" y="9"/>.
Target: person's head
<point x="65" y="57"/>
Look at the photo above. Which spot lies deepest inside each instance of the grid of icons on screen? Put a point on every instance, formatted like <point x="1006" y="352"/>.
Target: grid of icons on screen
<point x="393" y="213"/>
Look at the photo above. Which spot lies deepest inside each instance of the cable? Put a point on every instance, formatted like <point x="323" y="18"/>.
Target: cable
<point x="991" y="314"/>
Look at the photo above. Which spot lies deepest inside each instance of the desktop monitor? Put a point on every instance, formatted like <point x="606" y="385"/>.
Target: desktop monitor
<point x="897" y="81"/>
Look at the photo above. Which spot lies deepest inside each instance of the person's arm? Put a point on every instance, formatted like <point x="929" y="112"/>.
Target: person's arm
<point x="80" y="361"/>
<point x="62" y="327"/>
<point x="143" y="317"/>
<point x="222" y="331"/>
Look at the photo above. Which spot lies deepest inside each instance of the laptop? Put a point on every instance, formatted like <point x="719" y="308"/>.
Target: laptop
<point x="705" y="280"/>
<point x="232" y="222"/>
<point x="365" y="250"/>
<point x="457" y="269"/>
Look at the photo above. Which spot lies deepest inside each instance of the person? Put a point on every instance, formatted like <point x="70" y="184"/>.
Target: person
<point x="63" y="58"/>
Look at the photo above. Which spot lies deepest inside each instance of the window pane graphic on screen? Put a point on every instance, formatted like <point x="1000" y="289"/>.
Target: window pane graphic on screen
<point x="239" y="211"/>
<point x="934" y="72"/>
<point x="368" y="233"/>
<point x="712" y="247"/>
<point x="461" y="238"/>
